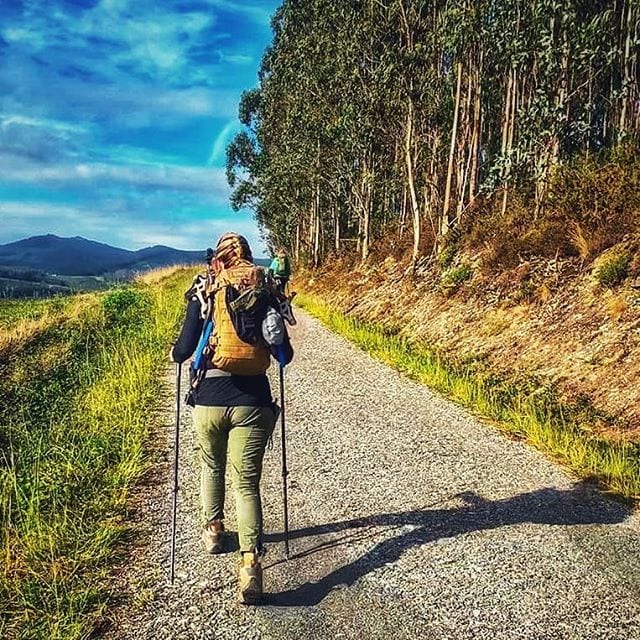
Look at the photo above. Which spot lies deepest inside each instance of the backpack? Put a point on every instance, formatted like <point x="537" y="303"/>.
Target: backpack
<point x="239" y="305"/>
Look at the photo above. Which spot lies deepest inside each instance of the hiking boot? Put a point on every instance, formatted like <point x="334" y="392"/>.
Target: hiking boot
<point x="213" y="536"/>
<point x="250" y="579"/>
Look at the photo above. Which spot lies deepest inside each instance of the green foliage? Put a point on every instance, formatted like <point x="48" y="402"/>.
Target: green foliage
<point x="126" y="307"/>
<point x="75" y="419"/>
<point x="452" y="278"/>
<point x="446" y="256"/>
<point x="613" y="269"/>
<point x="528" y="411"/>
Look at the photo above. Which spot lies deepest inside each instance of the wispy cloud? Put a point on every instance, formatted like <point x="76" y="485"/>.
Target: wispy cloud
<point x="259" y="11"/>
<point x="8" y="120"/>
<point x="180" y="178"/>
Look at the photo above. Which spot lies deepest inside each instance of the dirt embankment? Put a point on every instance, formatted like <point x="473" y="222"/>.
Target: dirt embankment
<point x="545" y="325"/>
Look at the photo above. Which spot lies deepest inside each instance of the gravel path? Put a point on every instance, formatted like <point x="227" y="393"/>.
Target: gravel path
<point x="409" y="519"/>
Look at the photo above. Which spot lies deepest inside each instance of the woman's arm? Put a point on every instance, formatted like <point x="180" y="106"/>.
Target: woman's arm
<point x="189" y="334"/>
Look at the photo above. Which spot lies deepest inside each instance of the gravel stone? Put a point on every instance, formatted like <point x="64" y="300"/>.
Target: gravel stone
<point x="408" y="517"/>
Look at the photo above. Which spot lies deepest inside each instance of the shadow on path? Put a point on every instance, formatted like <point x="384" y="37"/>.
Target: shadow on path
<point x="580" y="505"/>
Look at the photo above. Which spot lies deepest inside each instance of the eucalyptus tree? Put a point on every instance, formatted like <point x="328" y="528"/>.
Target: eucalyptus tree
<point x="373" y="113"/>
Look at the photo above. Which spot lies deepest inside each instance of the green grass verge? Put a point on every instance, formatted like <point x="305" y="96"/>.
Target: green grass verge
<point x="74" y="421"/>
<point x="533" y="413"/>
<point x="12" y="311"/>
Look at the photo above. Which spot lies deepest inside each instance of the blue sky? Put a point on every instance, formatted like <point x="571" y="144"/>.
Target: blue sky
<point x="115" y="115"/>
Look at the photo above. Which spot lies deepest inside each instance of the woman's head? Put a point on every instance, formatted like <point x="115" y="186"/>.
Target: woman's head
<point x="231" y="248"/>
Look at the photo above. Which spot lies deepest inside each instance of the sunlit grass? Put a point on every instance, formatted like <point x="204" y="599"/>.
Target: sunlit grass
<point x="78" y="388"/>
<point x="12" y="311"/>
<point x="531" y="413"/>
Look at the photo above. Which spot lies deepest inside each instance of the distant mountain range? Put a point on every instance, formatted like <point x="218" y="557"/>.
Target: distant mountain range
<point x="81" y="257"/>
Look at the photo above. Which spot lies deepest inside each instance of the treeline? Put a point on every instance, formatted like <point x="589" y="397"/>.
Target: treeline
<point x="417" y="117"/>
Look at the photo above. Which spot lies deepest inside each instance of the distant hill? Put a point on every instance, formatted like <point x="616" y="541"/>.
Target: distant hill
<point x="81" y="257"/>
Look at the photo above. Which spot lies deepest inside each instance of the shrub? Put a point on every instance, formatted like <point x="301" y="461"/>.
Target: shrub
<point x="593" y="203"/>
<point x="126" y="307"/>
<point x="446" y="256"/>
<point x="525" y="292"/>
<point x="613" y="269"/>
<point x="454" y="277"/>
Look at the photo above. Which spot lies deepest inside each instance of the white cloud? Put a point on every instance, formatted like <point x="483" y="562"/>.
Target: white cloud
<point x="169" y="177"/>
<point x="33" y="209"/>
<point x="23" y="219"/>
<point x="7" y="120"/>
<point x="255" y="11"/>
<point x="238" y="58"/>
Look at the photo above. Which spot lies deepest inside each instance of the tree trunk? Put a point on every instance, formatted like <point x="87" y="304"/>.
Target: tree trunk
<point x="465" y="151"/>
<point x="403" y="212"/>
<point x="510" y="133"/>
<point x="366" y="214"/>
<point x="336" y="213"/>
<point x="475" y="140"/>
<point x="415" y="209"/>
<point x="316" y="228"/>
<point x="444" y="223"/>
<point x="627" y="79"/>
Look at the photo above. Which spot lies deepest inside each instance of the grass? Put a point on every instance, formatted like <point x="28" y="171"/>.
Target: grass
<point x="77" y="395"/>
<point x="453" y="277"/>
<point x="613" y="269"/>
<point x="14" y="311"/>
<point x="531" y="413"/>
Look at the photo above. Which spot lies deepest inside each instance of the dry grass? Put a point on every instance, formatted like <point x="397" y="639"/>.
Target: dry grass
<point x="581" y="242"/>
<point x="617" y="306"/>
<point x="13" y="338"/>
<point x="157" y="275"/>
<point x="21" y="332"/>
<point x="570" y="334"/>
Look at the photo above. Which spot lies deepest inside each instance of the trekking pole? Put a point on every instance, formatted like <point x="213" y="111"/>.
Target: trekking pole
<point x="285" y="471"/>
<point x="175" y="471"/>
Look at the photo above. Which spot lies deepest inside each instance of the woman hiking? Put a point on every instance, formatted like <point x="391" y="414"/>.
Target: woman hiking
<point x="234" y="413"/>
<point x="280" y="270"/>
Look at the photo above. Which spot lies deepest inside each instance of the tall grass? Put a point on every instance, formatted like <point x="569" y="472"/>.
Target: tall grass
<point x="531" y="413"/>
<point x="74" y="419"/>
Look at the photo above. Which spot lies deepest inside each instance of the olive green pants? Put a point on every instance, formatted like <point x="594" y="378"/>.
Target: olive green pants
<point x="241" y="433"/>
